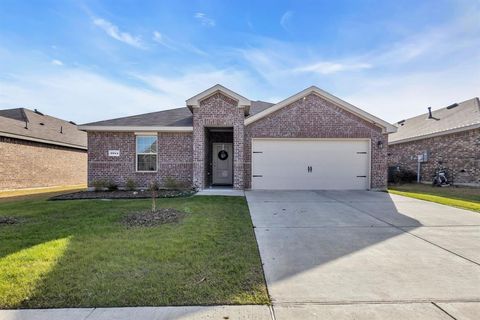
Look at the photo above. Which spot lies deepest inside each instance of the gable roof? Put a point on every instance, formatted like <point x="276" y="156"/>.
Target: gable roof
<point x="180" y="119"/>
<point x="327" y="96"/>
<point x="258" y="106"/>
<point x="25" y="124"/>
<point x="195" y="100"/>
<point x="454" y="118"/>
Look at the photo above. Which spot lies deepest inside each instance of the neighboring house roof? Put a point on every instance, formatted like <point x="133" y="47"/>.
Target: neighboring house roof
<point x="25" y="124"/>
<point x="454" y="118"/>
<point x="180" y="119"/>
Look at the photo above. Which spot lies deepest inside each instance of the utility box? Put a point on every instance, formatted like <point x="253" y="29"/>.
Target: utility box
<point x="422" y="157"/>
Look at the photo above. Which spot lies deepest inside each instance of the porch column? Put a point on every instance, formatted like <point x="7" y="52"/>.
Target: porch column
<point x="198" y="156"/>
<point x="238" y="145"/>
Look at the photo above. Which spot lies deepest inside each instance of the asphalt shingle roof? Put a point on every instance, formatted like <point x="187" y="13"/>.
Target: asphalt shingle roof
<point x="464" y="114"/>
<point x="28" y="124"/>
<point x="178" y="117"/>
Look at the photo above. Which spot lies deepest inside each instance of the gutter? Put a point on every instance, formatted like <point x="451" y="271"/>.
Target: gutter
<point x="135" y="128"/>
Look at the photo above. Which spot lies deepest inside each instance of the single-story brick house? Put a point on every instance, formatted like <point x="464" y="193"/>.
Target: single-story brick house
<point x="449" y="138"/>
<point x="311" y="140"/>
<point x="38" y="150"/>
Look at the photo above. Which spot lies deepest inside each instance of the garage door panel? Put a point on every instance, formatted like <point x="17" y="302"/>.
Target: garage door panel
<point x="335" y="164"/>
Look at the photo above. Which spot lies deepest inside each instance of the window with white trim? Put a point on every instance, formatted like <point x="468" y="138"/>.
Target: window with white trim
<point x="147" y="153"/>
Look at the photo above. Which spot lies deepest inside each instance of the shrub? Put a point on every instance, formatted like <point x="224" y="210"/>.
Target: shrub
<point x="404" y="176"/>
<point x="171" y="183"/>
<point x="112" y="186"/>
<point x="130" y="185"/>
<point x="99" y="184"/>
<point x="174" y="184"/>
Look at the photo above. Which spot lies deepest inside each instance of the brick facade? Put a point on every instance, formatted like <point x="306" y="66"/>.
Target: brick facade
<point x="186" y="156"/>
<point x="217" y="110"/>
<point x="28" y="164"/>
<point x="459" y="152"/>
<point x="174" y="158"/>
<point x="315" y="117"/>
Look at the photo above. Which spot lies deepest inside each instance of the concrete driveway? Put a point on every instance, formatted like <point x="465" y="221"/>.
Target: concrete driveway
<point x="367" y="255"/>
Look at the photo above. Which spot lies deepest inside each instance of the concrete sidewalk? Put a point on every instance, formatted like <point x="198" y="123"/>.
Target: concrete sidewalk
<point x="146" y="313"/>
<point x="221" y="192"/>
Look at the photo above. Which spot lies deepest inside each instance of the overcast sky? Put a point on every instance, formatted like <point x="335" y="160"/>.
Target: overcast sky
<point x="92" y="60"/>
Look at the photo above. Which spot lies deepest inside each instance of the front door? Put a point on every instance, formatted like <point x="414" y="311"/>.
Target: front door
<point x="222" y="163"/>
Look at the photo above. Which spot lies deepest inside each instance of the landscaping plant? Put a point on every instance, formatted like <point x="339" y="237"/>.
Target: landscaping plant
<point x="130" y="185"/>
<point x="154" y="187"/>
<point x="99" y="184"/>
<point x="112" y="186"/>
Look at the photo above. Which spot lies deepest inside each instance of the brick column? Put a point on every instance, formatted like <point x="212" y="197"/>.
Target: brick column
<point x="238" y="159"/>
<point x="198" y="152"/>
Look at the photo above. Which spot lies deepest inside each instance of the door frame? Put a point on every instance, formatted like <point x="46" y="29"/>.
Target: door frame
<point x="214" y="159"/>
<point x="369" y="161"/>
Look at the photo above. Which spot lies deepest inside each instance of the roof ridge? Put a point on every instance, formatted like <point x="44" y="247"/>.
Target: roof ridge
<point x="459" y="103"/>
<point x="6" y="113"/>
<point x="46" y="116"/>
<point x="25" y="117"/>
<point x="476" y="99"/>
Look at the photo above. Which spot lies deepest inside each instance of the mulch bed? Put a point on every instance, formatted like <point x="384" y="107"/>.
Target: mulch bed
<point x="148" y="218"/>
<point x="122" y="194"/>
<point x="9" y="220"/>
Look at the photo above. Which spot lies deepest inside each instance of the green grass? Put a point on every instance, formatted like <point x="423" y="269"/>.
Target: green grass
<point x="465" y="198"/>
<point x="22" y="194"/>
<point x="78" y="254"/>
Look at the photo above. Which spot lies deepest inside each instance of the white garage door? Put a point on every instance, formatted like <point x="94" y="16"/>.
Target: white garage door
<point x="298" y="164"/>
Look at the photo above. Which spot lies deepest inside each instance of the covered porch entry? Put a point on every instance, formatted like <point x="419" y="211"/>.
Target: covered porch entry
<point x="219" y="157"/>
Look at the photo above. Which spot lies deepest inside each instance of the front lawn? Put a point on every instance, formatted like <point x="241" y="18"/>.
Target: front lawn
<point x="461" y="197"/>
<point x="79" y="254"/>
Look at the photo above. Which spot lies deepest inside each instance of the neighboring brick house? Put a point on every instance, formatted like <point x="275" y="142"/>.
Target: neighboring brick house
<point x="37" y="150"/>
<point x="450" y="138"/>
<point x="311" y="140"/>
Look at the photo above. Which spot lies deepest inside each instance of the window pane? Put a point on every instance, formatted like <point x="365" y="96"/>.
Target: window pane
<point x="147" y="144"/>
<point x="146" y="162"/>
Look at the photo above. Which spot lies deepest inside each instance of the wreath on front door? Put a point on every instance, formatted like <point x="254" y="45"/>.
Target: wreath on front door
<point x="223" y="155"/>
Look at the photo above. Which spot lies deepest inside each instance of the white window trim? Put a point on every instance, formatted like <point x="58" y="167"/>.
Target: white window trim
<point x="136" y="154"/>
